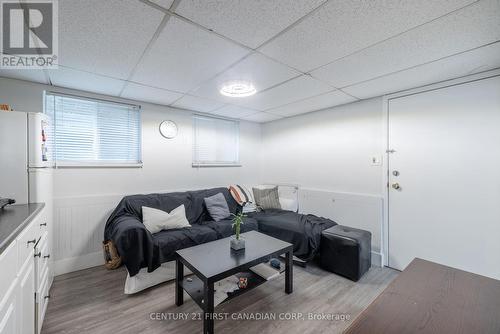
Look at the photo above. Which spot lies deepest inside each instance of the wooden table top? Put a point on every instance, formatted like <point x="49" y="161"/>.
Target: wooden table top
<point x="431" y="298"/>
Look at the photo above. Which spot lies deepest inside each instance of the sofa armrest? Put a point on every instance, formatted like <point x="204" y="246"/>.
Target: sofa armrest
<point x="133" y="242"/>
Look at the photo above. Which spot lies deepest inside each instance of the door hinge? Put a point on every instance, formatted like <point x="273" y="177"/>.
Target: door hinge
<point x="390" y="151"/>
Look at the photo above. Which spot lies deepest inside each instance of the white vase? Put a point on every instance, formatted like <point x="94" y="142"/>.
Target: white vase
<point x="237" y="244"/>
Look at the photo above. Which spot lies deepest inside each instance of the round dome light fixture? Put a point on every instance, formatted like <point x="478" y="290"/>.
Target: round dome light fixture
<point x="238" y="89"/>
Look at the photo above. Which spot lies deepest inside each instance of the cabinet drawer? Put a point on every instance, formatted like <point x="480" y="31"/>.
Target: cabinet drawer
<point x="42" y="222"/>
<point x="8" y="313"/>
<point x="42" y="251"/>
<point x="43" y="301"/>
<point x="26" y="243"/>
<point x="8" y="263"/>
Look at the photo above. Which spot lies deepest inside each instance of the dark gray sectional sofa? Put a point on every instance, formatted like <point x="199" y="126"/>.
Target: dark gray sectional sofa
<point x="139" y="248"/>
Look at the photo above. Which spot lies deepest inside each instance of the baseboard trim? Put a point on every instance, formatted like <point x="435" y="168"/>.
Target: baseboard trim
<point x="376" y="259"/>
<point x="95" y="259"/>
<point x="69" y="265"/>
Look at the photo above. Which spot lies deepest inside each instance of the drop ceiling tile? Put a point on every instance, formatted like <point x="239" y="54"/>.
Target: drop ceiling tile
<point x="233" y="111"/>
<point x="342" y="27"/>
<point x="197" y="104"/>
<point x="291" y="91"/>
<point x="327" y="100"/>
<point x="261" y="117"/>
<point x="69" y="78"/>
<point x="257" y="69"/>
<point x="476" y="25"/>
<point x="184" y="55"/>
<point x="27" y="75"/>
<point x="105" y="37"/>
<point x="164" y="3"/>
<point x="149" y="94"/>
<point x="248" y="22"/>
<point x="479" y="60"/>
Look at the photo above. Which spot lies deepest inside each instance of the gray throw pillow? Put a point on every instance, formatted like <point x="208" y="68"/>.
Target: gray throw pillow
<point x="267" y="198"/>
<point x="217" y="207"/>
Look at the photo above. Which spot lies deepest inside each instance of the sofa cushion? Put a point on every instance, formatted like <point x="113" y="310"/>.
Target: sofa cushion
<point x="132" y="205"/>
<point x="169" y="241"/>
<point x="303" y="231"/>
<point x="217" y="207"/>
<point x="201" y="213"/>
<point x="224" y="228"/>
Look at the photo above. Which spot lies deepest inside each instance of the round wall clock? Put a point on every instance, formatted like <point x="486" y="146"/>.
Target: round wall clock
<point x="168" y="129"/>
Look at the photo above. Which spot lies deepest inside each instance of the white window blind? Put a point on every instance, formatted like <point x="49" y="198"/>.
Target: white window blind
<point x="216" y="142"/>
<point x="91" y="132"/>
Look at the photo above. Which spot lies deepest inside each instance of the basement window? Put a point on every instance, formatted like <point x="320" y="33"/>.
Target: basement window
<point x="94" y="133"/>
<point x="216" y="142"/>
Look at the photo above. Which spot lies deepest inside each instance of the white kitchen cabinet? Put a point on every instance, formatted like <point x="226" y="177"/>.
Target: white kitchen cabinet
<point x="25" y="279"/>
<point x="26" y="305"/>
<point x="9" y="313"/>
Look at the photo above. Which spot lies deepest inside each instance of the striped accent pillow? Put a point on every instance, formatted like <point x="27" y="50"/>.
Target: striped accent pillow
<point x="267" y="198"/>
<point x="241" y="194"/>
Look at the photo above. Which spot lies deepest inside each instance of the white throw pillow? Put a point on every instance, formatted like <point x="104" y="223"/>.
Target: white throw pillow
<point x="289" y="204"/>
<point x="288" y="196"/>
<point x="156" y="220"/>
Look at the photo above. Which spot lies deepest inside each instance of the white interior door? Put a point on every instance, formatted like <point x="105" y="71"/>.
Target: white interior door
<point x="447" y="165"/>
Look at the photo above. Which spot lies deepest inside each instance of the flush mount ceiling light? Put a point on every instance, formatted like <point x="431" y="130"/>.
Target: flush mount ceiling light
<point x="238" y="89"/>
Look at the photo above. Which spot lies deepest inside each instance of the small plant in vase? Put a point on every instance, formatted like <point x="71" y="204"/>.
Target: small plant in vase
<point x="237" y="242"/>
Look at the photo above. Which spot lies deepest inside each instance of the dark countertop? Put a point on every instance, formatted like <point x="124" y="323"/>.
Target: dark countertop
<point x="13" y="219"/>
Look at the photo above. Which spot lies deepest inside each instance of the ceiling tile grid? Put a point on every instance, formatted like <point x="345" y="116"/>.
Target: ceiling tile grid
<point x="248" y="22"/>
<point x="319" y="102"/>
<point x="342" y="27"/>
<point x="365" y="47"/>
<point x="233" y="111"/>
<point x="138" y="92"/>
<point x="197" y="104"/>
<point x="261" y="117"/>
<point x="288" y="92"/>
<point x="28" y="75"/>
<point x="163" y="3"/>
<point x="86" y="81"/>
<point x="471" y="62"/>
<point x="184" y="55"/>
<point x="477" y="25"/>
<point x="105" y="37"/>
<point x="260" y="70"/>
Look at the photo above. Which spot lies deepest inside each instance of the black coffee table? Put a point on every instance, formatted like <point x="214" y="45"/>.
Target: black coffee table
<point x="214" y="261"/>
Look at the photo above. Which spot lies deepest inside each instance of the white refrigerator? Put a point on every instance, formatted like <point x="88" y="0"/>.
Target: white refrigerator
<point x="26" y="160"/>
<point x="26" y="165"/>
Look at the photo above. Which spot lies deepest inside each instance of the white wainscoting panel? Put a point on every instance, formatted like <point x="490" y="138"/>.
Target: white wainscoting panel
<point x="362" y="211"/>
<point x="79" y="231"/>
<point x="79" y="222"/>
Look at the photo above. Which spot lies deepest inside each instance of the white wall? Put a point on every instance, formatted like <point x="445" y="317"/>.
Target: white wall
<point x="328" y="149"/>
<point x="328" y="154"/>
<point x="84" y="197"/>
<point x="167" y="163"/>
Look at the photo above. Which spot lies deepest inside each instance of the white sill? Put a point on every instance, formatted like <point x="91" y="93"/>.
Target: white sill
<point x="62" y="166"/>
<point x="215" y="165"/>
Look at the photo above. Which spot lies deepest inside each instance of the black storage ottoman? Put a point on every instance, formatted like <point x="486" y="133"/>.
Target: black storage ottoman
<point x="346" y="251"/>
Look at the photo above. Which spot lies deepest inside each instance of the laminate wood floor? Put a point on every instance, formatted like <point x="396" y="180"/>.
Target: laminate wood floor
<point x="92" y="301"/>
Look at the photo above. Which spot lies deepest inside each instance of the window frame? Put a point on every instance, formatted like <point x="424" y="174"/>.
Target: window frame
<point x="197" y="164"/>
<point x="95" y="163"/>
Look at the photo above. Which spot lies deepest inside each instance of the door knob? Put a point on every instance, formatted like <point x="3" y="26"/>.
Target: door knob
<point x="396" y="186"/>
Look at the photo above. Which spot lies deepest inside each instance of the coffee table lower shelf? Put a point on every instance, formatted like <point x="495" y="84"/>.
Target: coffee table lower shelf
<point x="194" y="287"/>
